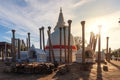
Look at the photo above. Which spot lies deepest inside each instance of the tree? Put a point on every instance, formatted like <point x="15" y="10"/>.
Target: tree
<point x="78" y="42"/>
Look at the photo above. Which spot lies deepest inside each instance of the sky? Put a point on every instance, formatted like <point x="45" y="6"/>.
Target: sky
<point x="29" y="15"/>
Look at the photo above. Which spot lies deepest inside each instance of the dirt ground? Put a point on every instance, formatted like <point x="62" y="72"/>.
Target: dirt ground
<point x="75" y="73"/>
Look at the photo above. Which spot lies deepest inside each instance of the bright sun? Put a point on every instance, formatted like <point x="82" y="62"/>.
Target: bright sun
<point x="95" y="27"/>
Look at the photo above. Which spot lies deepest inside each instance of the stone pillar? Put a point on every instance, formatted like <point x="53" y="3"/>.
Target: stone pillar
<point x="107" y="38"/>
<point x="40" y="38"/>
<point x="28" y="40"/>
<point x="13" y="46"/>
<point x="64" y="29"/>
<point x="5" y="54"/>
<point x="83" y="41"/>
<point x="49" y="30"/>
<point x="69" y="40"/>
<point x="99" y="46"/>
<point x="60" y="44"/>
<point x="18" y="48"/>
<point x="43" y="38"/>
<point x="2" y="54"/>
<point x="109" y="55"/>
<point x="27" y="43"/>
<point x="51" y="47"/>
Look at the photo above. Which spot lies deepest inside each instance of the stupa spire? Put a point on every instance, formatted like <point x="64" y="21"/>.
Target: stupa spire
<point x="60" y="9"/>
<point x="60" y="22"/>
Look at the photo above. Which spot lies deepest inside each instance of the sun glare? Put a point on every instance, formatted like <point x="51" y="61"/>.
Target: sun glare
<point x="94" y="27"/>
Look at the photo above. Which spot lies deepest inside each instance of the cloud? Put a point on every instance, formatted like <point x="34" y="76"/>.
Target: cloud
<point x="29" y="15"/>
<point x="8" y="39"/>
<point x="81" y="2"/>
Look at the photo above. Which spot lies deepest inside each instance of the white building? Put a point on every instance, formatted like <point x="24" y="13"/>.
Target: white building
<point x="89" y="55"/>
<point x="102" y="56"/>
<point x="37" y="55"/>
<point x="33" y="55"/>
<point x="55" y="40"/>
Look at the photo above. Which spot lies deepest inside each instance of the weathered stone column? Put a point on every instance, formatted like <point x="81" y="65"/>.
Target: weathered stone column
<point x="99" y="46"/>
<point x="49" y="31"/>
<point x="64" y="29"/>
<point x="27" y="44"/>
<point x="2" y="54"/>
<point x="95" y="42"/>
<point x="83" y="41"/>
<point x="69" y="40"/>
<point x="13" y="46"/>
<point x="51" y="47"/>
<point x="43" y="38"/>
<point x="40" y="38"/>
<point x="60" y="29"/>
<point x="109" y="55"/>
<point x="5" y="54"/>
<point x="18" y="48"/>
<point x="28" y="40"/>
<point x="107" y="38"/>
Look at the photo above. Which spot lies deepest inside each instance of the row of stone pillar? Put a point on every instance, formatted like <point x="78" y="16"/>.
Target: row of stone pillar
<point x="99" y="45"/>
<point x="41" y="30"/>
<point x="42" y="38"/>
<point x="68" y="58"/>
<point x="13" y="46"/>
<point x="52" y="57"/>
<point x="4" y="52"/>
<point x="28" y="42"/>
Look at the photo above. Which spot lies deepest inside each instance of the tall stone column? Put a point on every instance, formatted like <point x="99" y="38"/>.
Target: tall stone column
<point x="83" y="41"/>
<point x="69" y="40"/>
<point x="109" y="55"/>
<point x="19" y="49"/>
<point x="60" y="44"/>
<point x="64" y="30"/>
<point x="43" y="38"/>
<point x="99" y="46"/>
<point x="107" y="38"/>
<point x="40" y="38"/>
<point x="13" y="46"/>
<point x="27" y="44"/>
<point x="49" y="31"/>
<point x="5" y="54"/>
<point x="2" y="54"/>
<point x="51" y="47"/>
<point x="28" y="40"/>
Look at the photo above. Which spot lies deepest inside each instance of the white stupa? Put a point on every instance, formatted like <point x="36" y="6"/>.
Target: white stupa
<point x="32" y="55"/>
<point x="55" y="40"/>
<point x="89" y="55"/>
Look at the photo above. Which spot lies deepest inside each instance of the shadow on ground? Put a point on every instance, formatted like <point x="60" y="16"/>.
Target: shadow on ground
<point x="115" y="65"/>
<point x="77" y="72"/>
<point x="99" y="72"/>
